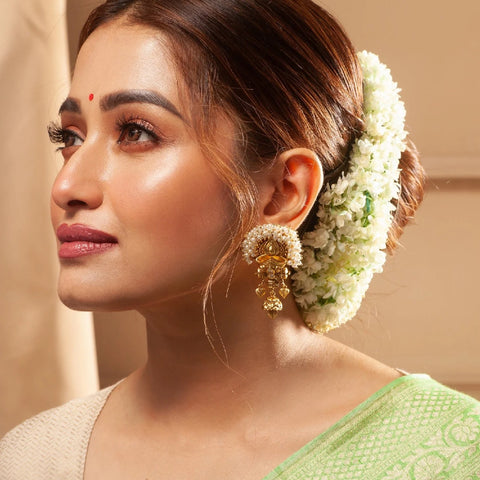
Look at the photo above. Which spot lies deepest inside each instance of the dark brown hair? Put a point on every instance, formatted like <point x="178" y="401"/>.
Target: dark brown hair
<point x="283" y="70"/>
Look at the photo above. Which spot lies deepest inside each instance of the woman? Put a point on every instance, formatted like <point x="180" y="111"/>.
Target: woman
<point x="196" y="130"/>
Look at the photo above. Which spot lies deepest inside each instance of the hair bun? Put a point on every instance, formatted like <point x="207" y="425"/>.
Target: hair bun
<point x="412" y="183"/>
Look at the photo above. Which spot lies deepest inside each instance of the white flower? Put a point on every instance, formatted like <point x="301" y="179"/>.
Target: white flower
<point x="346" y="248"/>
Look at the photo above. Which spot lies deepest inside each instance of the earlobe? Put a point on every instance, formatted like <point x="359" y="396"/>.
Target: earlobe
<point x="296" y="189"/>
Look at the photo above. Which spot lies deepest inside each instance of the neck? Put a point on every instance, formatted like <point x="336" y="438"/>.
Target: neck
<point x="225" y="355"/>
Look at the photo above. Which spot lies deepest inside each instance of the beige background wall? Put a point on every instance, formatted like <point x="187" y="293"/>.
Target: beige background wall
<point x="47" y="352"/>
<point x="422" y="314"/>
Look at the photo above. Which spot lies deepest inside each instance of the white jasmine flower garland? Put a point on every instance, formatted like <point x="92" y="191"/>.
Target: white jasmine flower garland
<point x="348" y="244"/>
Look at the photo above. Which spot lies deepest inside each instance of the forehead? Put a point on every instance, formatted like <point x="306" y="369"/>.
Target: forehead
<point x="117" y="56"/>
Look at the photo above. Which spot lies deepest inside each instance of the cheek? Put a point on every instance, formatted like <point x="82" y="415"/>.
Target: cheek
<point x="176" y="220"/>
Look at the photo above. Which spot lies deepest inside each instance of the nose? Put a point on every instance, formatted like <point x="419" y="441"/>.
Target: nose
<point x="78" y="185"/>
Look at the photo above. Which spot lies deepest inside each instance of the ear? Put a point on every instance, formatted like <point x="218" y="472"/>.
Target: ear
<point x="292" y="188"/>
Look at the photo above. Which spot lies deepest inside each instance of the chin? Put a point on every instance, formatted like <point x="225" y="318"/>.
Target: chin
<point x="87" y="301"/>
<point x="95" y="294"/>
<point x="75" y="302"/>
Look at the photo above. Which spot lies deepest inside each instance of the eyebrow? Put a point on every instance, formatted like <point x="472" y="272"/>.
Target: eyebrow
<point x="70" y="105"/>
<point x="113" y="100"/>
<point x="122" y="97"/>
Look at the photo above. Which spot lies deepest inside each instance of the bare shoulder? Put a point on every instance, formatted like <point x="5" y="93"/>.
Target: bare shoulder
<point x="349" y="377"/>
<point x="362" y="371"/>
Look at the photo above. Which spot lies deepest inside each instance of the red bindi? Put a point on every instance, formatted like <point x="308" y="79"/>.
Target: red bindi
<point x="90" y="97"/>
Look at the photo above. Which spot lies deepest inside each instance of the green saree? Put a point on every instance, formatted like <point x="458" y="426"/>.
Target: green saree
<point x="412" y="429"/>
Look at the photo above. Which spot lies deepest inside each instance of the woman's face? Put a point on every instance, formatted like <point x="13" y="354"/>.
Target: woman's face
<point x="134" y="171"/>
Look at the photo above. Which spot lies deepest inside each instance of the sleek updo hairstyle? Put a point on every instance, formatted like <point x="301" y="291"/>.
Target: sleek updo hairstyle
<point x="283" y="71"/>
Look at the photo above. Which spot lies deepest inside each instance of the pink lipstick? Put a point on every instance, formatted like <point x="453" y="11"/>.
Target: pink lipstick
<point x="78" y="240"/>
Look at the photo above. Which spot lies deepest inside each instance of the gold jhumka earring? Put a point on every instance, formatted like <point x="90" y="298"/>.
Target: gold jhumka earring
<point x="274" y="248"/>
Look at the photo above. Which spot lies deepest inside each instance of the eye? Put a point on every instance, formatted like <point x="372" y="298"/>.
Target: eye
<point x="136" y="132"/>
<point x="64" y="136"/>
<point x="71" y="139"/>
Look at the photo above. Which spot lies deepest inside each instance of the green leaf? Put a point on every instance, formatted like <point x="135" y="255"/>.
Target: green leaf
<point x="367" y="209"/>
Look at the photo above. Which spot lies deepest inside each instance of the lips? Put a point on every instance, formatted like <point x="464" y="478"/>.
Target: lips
<point x="79" y="240"/>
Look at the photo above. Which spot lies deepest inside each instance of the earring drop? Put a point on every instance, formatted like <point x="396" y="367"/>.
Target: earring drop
<point x="274" y="248"/>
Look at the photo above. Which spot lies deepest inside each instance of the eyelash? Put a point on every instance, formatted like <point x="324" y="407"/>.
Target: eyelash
<point x="58" y="134"/>
<point x="124" y="122"/>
